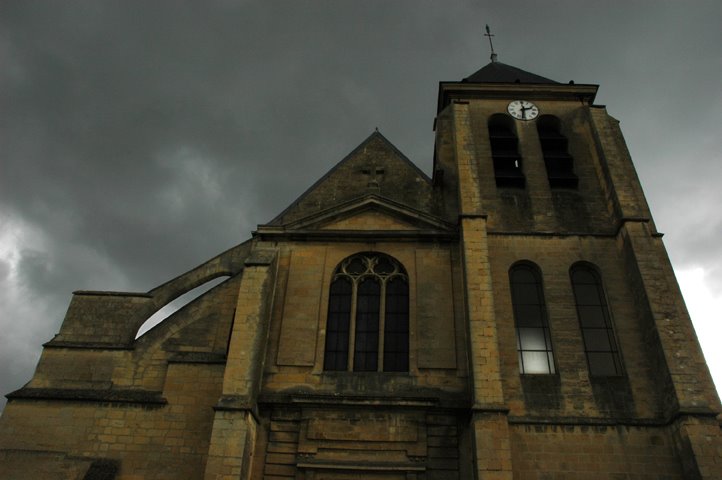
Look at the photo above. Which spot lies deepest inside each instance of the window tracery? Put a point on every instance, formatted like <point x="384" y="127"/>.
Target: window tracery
<point x="368" y="308"/>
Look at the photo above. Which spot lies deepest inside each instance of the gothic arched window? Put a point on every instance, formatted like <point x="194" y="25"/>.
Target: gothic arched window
<point x="533" y="340"/>
<point x="368" y="306"/>
<point x="505" y="152"/>
<point x="554" y="145"/>
<point x="600" y="344"/>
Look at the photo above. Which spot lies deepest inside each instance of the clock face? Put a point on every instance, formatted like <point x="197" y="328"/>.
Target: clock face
<point x="523" y="110"/>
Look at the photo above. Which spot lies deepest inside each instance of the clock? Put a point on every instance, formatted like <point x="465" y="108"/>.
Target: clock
<point x="523" y="110"/>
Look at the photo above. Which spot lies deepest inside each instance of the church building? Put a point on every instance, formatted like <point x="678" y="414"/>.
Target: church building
<point x="515" y="316"/>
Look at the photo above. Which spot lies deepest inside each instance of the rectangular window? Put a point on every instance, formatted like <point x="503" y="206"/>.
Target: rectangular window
<point x="559" y="163"/>
<point x="505" y="153"/>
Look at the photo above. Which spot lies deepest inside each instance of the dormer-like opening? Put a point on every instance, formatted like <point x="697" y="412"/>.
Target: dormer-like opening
<point x="559" y="163"/>
<point x="505" y="152"/>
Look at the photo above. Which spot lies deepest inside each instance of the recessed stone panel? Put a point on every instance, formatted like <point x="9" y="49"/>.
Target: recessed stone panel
<point x="435" y="312"/>
<point x="297" y="343"/>
<point x="366" y="427"/>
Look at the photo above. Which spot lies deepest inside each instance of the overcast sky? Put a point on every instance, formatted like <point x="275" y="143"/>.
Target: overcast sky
<point x="138" y="139"/>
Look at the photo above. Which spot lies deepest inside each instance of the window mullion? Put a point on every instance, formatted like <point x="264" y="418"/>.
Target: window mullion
<point x="382" y="325"/>
<point x="352" y="325"/>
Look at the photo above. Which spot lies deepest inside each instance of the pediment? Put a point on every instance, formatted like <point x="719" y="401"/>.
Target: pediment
<point x="366" y="215"/>
<point x="369" y="220"/>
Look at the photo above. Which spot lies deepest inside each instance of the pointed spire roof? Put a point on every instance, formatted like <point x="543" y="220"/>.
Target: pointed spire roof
<point x="497" y="72"/>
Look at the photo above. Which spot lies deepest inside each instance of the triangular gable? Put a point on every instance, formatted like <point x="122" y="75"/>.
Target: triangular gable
<point x="369" y="220"/>
<point x="370" y="213"/>
<point x="374" y="167"/>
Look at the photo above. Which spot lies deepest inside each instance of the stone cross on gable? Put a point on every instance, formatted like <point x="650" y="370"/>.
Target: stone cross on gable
<point x="374" y="173"/>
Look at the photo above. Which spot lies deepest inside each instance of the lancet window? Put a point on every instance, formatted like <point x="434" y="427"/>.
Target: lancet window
<point x="533" y="339"/>
<point x="600" y="343"/>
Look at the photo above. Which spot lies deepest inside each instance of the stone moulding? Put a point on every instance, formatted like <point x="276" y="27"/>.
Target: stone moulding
<point x="367" y="467"/>
<point x="147" y="398"/>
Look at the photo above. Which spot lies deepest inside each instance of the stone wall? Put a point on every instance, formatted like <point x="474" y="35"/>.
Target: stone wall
<point x="570" y="452"/>
<point x="144" y="409"/>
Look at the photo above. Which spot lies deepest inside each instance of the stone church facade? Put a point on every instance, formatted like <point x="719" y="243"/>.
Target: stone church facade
<point x="513" y="316"/>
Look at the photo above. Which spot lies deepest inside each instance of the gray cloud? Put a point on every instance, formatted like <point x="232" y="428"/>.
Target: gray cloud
<point x="141" y="138"/>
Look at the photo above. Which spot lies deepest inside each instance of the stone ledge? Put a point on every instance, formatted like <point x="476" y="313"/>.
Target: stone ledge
<point x="234" y="403"/>
<point x="550" y="234"/>
<point x="366" y="467"/>
<point x="140" y="397"/>
<point x="238" y="404"/>
<point x="490" y="408"/>
<point x="356" y="235"/>
<point x="353" y="400"/>
<point x="587" y="421"/>
<point x="260" y="257"/>
<point x="611" y="421"/>
<point x="103" y="293"/>
<point x="87" y="345"/>
<point x="694" y="412"/>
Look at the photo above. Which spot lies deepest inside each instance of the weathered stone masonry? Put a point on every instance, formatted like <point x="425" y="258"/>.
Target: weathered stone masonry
<point x="234" y="385"/>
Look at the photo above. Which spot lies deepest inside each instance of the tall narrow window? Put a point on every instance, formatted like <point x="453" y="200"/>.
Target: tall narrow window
<point x="533" y="341"/>
<point x="396" y="329"/>
<point x="369" y="309"/>
<point x="366" y="350"/>
<point x="505" y="152"/>
<point x="337" y="330"/>
<point x="554" y="145"/>
<point x="600" y="344"/>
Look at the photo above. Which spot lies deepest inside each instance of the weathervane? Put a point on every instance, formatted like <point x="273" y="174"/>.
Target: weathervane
<point x="489" y="34"/>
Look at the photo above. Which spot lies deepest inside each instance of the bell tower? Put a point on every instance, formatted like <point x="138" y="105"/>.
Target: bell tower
<point x="576" y="325"/>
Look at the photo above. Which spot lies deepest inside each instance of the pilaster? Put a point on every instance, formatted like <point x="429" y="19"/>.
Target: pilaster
<point x="234" y="426"/>
<point x="619" y="177"/>
<point x="490" y="433"/>
<point x="691" y="399"/>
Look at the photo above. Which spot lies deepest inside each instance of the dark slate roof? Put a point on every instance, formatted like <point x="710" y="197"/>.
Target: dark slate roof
<point x="497" y="72"/>
<point x="403" y="181"/>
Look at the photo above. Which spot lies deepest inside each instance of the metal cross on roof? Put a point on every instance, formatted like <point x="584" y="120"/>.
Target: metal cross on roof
<point x="489" y="34"/>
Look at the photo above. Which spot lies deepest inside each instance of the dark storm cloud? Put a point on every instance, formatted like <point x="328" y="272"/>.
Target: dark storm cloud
<point x="141" y="138"/>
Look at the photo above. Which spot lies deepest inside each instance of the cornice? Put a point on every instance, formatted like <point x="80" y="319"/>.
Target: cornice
<point x="453" y="91"/>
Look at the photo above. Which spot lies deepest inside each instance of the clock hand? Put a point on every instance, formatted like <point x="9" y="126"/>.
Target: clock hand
<point x="523" y="111"/>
